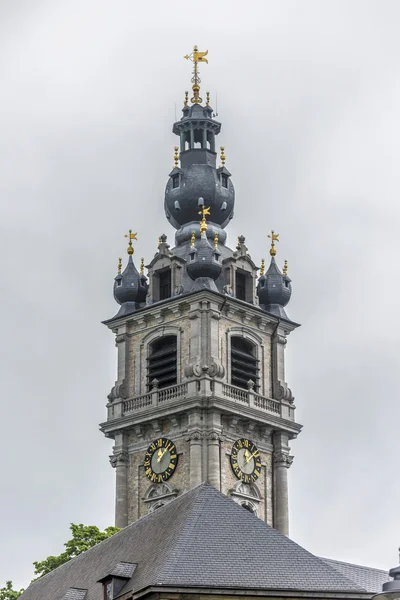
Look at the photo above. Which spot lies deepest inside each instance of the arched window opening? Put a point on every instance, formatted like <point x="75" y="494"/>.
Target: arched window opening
<point x="162" y="362"/>
<point x="244" y="363"/>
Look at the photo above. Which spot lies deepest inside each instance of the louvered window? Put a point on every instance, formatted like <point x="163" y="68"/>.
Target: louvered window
<point x="162" y="362"/>
<point x="240" y="286"/>
<point x="244" y="363"/>
<point x="165" y="284"/>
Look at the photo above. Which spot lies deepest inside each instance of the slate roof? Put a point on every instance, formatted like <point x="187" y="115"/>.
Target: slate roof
<point x="202" y="539"/>
<point x="367" y="577"/>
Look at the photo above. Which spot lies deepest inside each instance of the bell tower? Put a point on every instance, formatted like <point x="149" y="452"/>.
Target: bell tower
<point x="200" y="393"/>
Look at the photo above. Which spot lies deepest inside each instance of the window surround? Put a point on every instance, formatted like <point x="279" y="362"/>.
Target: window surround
<point x="259" y="353"/>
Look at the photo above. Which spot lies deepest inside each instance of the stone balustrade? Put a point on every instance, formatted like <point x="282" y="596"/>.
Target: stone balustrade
<point x="193" y="388"/>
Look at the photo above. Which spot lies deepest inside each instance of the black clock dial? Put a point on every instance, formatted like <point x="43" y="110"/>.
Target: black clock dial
<point x="245" y="460"/>
<point x="160" y="460"/>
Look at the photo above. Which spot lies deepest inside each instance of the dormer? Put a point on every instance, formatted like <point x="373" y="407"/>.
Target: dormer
<point x="164" y="273"/>
<point x="240" y="274"/>
<point x="114" y="581"/>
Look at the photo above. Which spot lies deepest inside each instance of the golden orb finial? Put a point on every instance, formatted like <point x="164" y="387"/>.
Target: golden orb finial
<point x="195" y="57"/>
<point x="131" y="236"/>
<point x="285" y="268"/>
<point x="176" y="156"/>
<point x="216" y="239"/>
<point x="119" y="265"/>
<point x="185" y="102"/>
<point x="141" y="266"/>
<point x="192" y="239"/>
<point x="203" y="212"/>
<point x="207" y="98"/>
<point x="262" y="269"/>
<point x="274" y="237"/>
<point x="223" y="157"/>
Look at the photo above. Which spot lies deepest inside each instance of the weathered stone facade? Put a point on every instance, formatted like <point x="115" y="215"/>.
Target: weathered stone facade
<point x="203" y="414"/>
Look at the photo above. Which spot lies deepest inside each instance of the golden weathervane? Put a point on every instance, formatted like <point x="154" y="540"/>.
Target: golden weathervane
<point x="274" y="237"/>
<point x="131" y="236"/>
<point x="204" y="212"/>
<point x="196" y="57"/>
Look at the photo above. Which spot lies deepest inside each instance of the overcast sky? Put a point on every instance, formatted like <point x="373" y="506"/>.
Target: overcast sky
<point x="309" y="96"/>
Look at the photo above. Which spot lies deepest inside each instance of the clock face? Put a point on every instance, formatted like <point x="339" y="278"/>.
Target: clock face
<point x="245" y="460"/>
<point x="160" y="460"/>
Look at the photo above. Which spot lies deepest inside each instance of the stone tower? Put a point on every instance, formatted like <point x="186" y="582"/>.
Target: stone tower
<point x="200" y="393"/>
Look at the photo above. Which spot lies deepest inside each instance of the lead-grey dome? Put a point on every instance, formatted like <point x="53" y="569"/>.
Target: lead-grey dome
<point x="199" y="179"/>
<point x="130" y="286"/>
<point x="274" y="290"/>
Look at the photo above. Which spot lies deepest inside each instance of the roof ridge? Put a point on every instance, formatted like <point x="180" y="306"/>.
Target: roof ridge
<point x="351" y="564"/>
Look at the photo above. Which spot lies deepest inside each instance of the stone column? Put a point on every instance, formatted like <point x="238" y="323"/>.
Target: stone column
<point x="282" y="462"/>
<point x="213" y="462"/>
<point x="120" y="461"/>
<point x="195" y="454"/>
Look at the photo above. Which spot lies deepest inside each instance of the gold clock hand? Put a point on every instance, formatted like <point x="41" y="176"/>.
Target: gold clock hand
<point x="161" y="454"/>
<point x="256" y="453"/>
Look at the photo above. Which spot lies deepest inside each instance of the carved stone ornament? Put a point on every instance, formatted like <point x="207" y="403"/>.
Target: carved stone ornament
<point x="216" y="370"/>
<point x="282" y="460"/>
<point x="213" y="370"/>
<point x="194" y="436"/>
<point x="117" y="391"/>
<point x="280" y="339"/>
<point x="120" y="459"/>
<point x="121" y="337"/>
<point x="213" y="436"/>
<point x="283" y="392"/>
<point x="193" y="370"/>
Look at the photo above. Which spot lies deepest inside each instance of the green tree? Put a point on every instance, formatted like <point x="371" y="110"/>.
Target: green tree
<point x="83" y="538"/>
<point x="7" y="592"/>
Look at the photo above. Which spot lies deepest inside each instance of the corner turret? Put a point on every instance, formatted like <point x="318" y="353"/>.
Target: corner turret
<point x="274" y="288"/>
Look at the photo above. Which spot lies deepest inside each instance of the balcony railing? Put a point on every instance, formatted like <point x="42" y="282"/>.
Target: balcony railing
<point x="192" y="389"/>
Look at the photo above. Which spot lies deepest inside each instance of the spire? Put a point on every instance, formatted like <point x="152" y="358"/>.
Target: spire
<point x="195" y="171"/>
<point x="274" y="287"/>
<point x="196" y="57"/>
<point x="130" y="287"/>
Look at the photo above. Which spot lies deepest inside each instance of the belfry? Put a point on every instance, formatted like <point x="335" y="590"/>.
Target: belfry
<point x="201" y="393"/>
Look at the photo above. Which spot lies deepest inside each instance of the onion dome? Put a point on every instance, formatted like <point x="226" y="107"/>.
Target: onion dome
<point x="274" y="288"/>
<point x="204" y="265"/>
<point x="130" y="286"/>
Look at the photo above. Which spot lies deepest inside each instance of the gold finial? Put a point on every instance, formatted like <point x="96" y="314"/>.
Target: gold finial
<point x="285" y="268"/>
<point x="207" y="98"/>
<point x="262" y="269"/>
<point x="192" y="239"/>
<point x="141" y="266"/>
<point x="176" y="156"/>
<point x="119" y="265"/>
<point x="216" y="239"/>
<point x="274" y="237"/>
<point x="185" y="102"/>
<point x="159" y="241"/>
<point x="203" y="212"/>
<point x="223" y="157"/>
<point x="196" y="57"/>
<point x="131" y="236"/>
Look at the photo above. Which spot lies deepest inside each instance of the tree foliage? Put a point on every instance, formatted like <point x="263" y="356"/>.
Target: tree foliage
<point x="8" y="593"/>
<point x="83" y="538"/>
